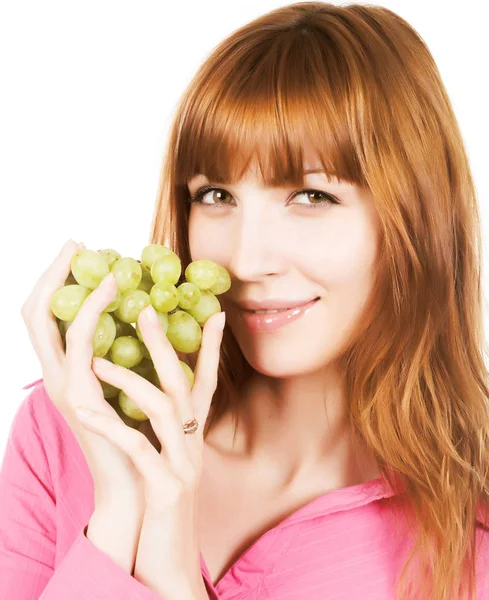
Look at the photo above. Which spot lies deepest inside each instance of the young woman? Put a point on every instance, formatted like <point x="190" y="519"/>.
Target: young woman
<point x="342" y="445"/>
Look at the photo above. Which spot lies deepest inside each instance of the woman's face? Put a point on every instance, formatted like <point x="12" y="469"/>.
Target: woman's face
<point x="276" y="245"/>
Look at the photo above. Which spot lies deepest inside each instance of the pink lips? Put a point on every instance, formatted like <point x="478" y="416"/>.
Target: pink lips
<point x="266" y="322"/>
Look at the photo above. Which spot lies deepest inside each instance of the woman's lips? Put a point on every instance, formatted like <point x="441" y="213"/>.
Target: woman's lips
<point x="266" y="322"/>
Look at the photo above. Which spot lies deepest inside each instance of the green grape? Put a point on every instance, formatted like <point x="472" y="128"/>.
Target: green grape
<point x="67" y="301"/>
<point x="130" y="408"/>
<point x="146" y="282"/>
<point x="163" y="319"/>
<point x="123" y="328"/>
<point x="70" y="280"/>
<point x="143" y="367"/>
<point x="203" y="273"/>
<point x="132" y="303"/>
<point x="114" y="402"/>
<point x="164" y="296"/>
<point x="153" y="377"/>
<point x="223" y="283"/>
<point x="104" y="335"/>
<point x="109" y="390"/>
<point x="205" y="308"/>
<point x="126" y="351"/>
<point x="189" y="295"/>
<point x="182" y="311"/>
<point x="63" y="327"/>
<point x="147" y="370"/>
<point x="111" y="256"/>
<point x="116" y="302"/>
<point x="151" y="253"/>
<point x="184" y="332"/>
<point x="146" y="353"/>
<point x="188" y="372"/>
<point x="167" y="268"/>
<point x="89" y="268"/>
<point x="128" y="273"/>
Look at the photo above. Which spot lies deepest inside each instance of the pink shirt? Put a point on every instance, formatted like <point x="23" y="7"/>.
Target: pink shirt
<point x="342" y="545"/>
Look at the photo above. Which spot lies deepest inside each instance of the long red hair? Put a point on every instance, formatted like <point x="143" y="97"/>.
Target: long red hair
<point x="358" y="84"/>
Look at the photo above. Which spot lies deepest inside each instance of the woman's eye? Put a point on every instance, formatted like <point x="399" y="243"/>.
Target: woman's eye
<point x="217" y="197"/>
<point x="321" y="198"/>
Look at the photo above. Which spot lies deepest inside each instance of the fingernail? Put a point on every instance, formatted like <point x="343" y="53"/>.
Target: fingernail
<point x="149" y="314"/>
<point x="221" y="321"/>
<point x="108" y="279"/>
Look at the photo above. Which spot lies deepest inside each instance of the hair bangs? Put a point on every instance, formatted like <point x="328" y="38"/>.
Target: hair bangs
<point x="278" y="106"/>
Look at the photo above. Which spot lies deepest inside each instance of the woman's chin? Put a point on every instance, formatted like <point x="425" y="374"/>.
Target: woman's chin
<point x="282" y="364"/>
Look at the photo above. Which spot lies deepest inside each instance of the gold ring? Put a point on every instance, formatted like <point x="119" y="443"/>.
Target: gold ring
<point x="190" y="426"/>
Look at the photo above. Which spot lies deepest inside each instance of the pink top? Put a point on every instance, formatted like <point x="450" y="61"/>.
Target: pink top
<point x="342" y="545"/>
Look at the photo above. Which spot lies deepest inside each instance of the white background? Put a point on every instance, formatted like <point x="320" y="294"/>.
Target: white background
<point x="87" y="90"/>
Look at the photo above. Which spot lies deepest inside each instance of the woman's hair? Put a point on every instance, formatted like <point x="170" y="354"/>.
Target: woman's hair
<point x="358" y="85"/>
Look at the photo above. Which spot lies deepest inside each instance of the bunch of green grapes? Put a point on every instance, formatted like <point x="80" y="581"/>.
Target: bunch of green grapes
<point x="183" y="303"/>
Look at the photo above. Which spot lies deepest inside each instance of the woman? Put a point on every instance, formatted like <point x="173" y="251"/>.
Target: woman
<point x="315" y="156"/>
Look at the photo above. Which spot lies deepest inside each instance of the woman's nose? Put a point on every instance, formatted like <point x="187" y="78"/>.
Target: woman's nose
<point x="257" y="250"/>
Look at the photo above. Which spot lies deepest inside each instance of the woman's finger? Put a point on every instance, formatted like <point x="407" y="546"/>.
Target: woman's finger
<point x="172" y="378"/>
<point x="206" y="369"/>
<point x="161" y="486"/>
<point x="79" y="337"/>
<point x="159" y="408"/>
<point x="37" y="314"/>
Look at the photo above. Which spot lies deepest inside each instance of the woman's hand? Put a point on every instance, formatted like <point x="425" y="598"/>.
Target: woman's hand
<point x="168" y="555"/>
<point x="70" y="381"/>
